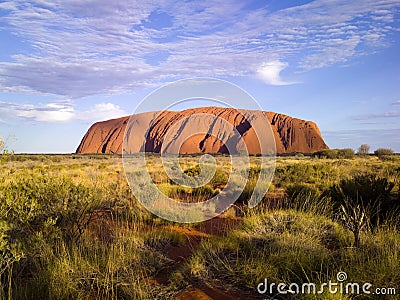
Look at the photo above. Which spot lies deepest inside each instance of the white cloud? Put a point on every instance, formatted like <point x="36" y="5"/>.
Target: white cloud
<point x="60" y="111"/>
<point x="52" y="112"/>
<point x="101" y="111"/>
<point x="269" y="72"/>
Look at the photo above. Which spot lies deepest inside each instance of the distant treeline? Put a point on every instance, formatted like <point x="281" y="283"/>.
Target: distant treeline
<point x="327" y="153"/>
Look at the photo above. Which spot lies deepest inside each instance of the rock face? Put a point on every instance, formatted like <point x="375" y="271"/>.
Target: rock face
<point x="176" y="131"/>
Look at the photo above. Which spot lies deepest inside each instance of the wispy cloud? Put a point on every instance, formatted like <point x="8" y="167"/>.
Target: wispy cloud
<point x="389" y="114"/>
<point x="59" y="111"/>
<point x="396" y="102"/>
<point x="80" y="48"/>
<point x="50" y="112"/>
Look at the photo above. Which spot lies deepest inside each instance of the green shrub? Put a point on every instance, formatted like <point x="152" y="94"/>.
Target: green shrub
<point x="186" y="194"/>
<point x="383" y="152"/>
<point x="193" y="172"/>
<point x="32" y="200"/>
<point x="177" y="191"/>
<point x="36" y="211"/>
<point x="367" y="190"/>
<point x="5" y="154"/>
<point x="335" y="153"/>
<point x="219" y="179"/>
<point x="362" y="201"/>
<point x="206" y="191"/>
<point x="305" y="172"/>
<point x="254" y="172"/>
<point x="346" y="153"/>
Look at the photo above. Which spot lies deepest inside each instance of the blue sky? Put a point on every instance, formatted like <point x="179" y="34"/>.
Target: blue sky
<point x="67" y="64"/>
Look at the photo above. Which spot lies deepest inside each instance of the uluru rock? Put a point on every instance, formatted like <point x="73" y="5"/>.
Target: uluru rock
<point x="189" y="132"/>
<point x="107" y="136"/>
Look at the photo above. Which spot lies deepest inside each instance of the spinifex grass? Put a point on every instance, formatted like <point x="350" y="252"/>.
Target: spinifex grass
<point x="71" y="228"/>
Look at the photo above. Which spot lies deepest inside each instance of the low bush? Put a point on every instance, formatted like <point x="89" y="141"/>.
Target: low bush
<point x="39" y="210"/>
<point x="362" y="201"/>
<point x="383" y="152"/>
<point x="367" y="191"/>
<point x="219" y="179"/>
<point x="305" y="172"/>
<point x="186" y="194"/>
<point x="335" y="153"/>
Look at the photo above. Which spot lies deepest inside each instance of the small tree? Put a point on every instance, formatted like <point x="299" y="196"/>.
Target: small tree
<point x="4" y="152"/>
<point x="359" y="202"/>
<point x="363" y="149"/>
<point x="354" y="218"/>
<point x="1" y="144"/>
